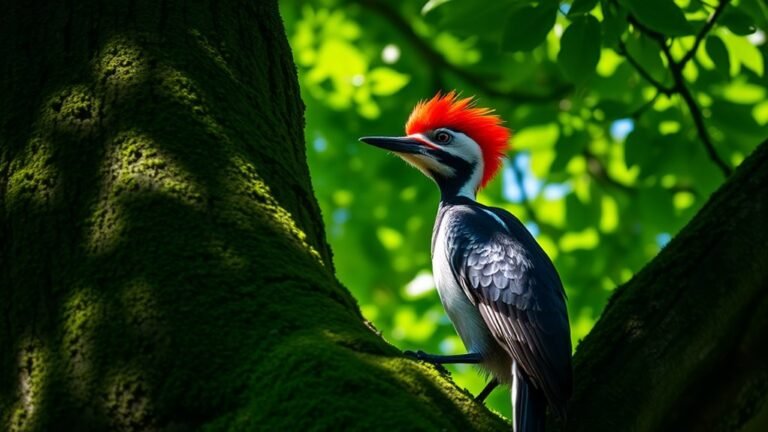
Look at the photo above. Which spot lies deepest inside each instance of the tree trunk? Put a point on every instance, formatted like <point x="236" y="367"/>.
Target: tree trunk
<point x="683" y="346"/>
<point x="163" y="262"/>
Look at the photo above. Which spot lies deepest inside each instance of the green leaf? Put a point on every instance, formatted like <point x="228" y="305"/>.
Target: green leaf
<point x="757" y="9"/>
<point x="735" y="118"/>
<point x="581" y="7"/>
<point x="386" y="81"/>
<point x="580" y="48"/>
<point x="432" y="5"/>
<point x="655" y="206"/>
<point x="651" y="152"/>
<point x="664" y="16"/>
<point x="744" y="52"/>
<point x="635" y="149"/>
<point x="566" y="148"/>
<point x="648" y="54"/>
<point x="738" y="21"/>
<point x="717" y="51"/>
<point x="581" y="214"/>
<point x="614" y="24"/>
<point x="527" y="27"/>
<point x="488" y="18"/>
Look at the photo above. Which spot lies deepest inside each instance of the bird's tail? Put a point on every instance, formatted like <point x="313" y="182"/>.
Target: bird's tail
<point x="528" y="404"/>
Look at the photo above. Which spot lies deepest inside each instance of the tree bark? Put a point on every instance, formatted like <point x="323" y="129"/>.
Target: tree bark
<point x="163" y="264"/>
<point x="162" y="258"/>
<point x="683" y="346"/>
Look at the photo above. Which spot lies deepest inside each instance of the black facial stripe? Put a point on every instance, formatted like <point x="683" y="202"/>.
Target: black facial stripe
<point x="450" y="186"/>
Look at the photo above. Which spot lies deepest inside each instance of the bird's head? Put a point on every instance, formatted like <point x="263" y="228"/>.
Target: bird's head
<point x="449" y="139"/>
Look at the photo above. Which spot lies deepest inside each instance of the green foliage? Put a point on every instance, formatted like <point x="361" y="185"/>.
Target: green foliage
<point x="607" y="161"/>
<point x="580" y="48"/>
<point x="664" y="16"/>
<point x="527" y="27"/>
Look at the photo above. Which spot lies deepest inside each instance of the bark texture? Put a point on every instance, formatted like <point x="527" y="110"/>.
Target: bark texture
<point x="683" y="346"/>
<point x="162" y="258"/>
<point x="163" y="264"/>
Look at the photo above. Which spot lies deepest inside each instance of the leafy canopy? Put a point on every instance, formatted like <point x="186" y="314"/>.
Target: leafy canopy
<point x="627" y="114"/>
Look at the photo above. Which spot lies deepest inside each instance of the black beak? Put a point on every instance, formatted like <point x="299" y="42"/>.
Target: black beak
<point x="395" y="144"/>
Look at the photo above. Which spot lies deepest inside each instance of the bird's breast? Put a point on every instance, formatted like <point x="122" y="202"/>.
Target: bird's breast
<point x="464" y="315"/>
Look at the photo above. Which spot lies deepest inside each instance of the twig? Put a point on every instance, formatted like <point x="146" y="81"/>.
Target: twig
<point x="703" y="32"/>
<point x="643" y="73"/>
<point x="436" y="59"/>
<point x="644" y="107"/>
<point x="597" y="170"/>
<point x="698" y="116"/>
<point x="676" y="68"/>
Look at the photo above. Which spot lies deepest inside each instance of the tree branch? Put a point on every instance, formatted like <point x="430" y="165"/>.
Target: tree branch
<point x="643" y="73"/>
<point x="635" y="115"/>
<point x="597" y="170"/>
<point x="435" y="58"/>
<point x="676" y="68"/>
<point x="703" y="32"/>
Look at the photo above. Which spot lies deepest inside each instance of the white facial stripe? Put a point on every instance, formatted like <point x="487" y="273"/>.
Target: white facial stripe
<point x="425" y="164"/>
<point x="467" y="149"/>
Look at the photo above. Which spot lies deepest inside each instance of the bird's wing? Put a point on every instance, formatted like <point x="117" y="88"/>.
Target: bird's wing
<point x="507" y="275"/>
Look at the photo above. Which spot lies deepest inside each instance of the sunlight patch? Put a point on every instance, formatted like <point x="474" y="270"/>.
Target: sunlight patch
<point x="127" y="400"/>
<point x="33" y="361"/>
<point x="135" y="164"/>
<point x="257" y="191"/>
<point x="34" y="176"/>
<point x="121" y="63"/>
<point x="82" y="313"/>
<point x="420" y="285"/>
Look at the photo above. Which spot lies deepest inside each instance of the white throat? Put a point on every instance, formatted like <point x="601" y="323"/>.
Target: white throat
<point x="469" y="189"/>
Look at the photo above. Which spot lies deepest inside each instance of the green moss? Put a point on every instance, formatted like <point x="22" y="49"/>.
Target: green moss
<point x="127" y="400"/>
<point x="248" y="189"/>
<point x="75" y="109"/>
<point x="172" y="261"/>
<point x="33" y="174"/>
<point x="135" y="164"/>
<point x="139" y="164"/>
<point x="32" y="372"/>
<point x="122" y="63"/>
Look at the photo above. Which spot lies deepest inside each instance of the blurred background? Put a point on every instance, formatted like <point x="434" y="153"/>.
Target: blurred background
<point x="618" y="138"/>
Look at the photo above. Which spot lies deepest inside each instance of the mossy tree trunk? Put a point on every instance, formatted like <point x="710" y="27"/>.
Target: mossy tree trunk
<point x="162" y="259"/>
<point x="683" y="346"/>
<point x="163" y="264"/>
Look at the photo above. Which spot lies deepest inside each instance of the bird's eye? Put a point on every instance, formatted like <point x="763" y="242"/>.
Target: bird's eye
<point x="443" y="137"/>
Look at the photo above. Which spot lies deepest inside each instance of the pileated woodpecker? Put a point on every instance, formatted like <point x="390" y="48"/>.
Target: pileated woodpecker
<point x="497" y="285"/>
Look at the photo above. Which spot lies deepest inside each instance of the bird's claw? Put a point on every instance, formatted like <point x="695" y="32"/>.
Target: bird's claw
<point x="422" y="356"/>
<point x="418" y="355"/>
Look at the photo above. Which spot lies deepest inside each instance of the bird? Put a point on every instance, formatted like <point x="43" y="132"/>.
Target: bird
<point x="498" y="287"/>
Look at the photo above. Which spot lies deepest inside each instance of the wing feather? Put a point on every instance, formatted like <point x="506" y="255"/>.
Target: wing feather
<point x="513" y="283"/>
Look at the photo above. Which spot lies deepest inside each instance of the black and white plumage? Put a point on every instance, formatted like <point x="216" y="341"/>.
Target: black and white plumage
<point x="504" y="297"/>
<point x="498" y="287"/>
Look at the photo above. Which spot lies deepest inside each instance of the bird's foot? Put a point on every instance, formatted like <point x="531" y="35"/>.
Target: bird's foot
<point x="469" y="358"/>
<point x="480" y="398"/>
<point x="418" y="355"/>
<point x="429" y="358"/>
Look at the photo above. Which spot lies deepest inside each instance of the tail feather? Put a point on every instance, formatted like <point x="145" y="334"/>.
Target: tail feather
<point x="528" y="404"/>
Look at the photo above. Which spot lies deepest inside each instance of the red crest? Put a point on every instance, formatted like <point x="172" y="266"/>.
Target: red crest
<point x="480" y="124"/>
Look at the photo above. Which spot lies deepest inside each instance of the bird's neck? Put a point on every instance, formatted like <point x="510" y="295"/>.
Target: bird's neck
<point x="462" y="184"/>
